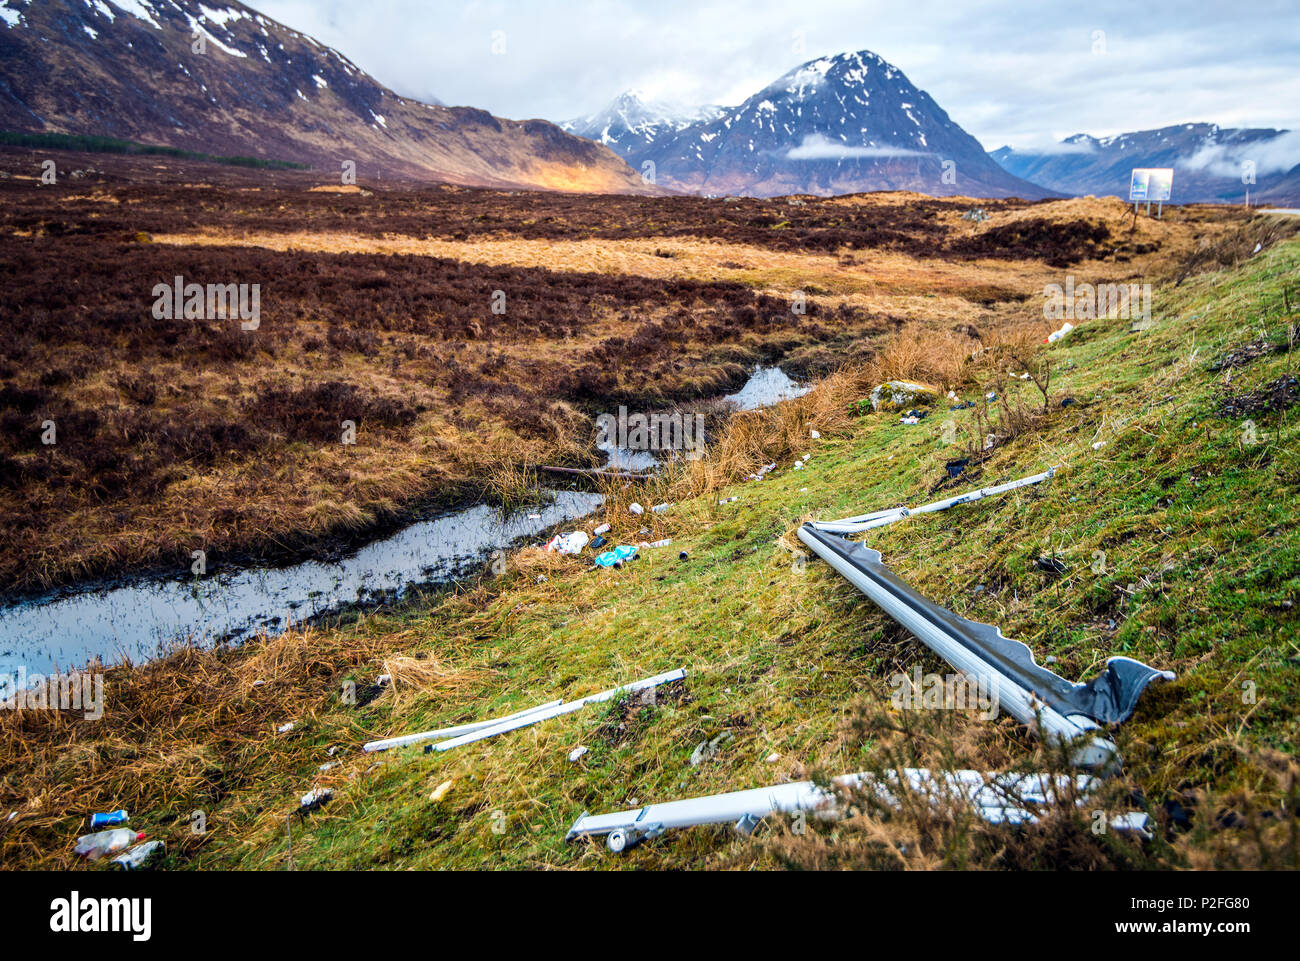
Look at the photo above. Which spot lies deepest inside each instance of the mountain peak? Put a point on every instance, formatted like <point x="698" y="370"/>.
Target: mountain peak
<point x="220" y="78"/>
<point x="834" y="124"/>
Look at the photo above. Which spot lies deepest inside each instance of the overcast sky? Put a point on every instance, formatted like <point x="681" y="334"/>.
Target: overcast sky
<point x="1024" y="73"/>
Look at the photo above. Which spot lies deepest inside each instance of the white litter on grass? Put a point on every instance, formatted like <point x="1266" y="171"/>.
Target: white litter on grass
<point x="316" y="796"/>
<point x="1099" y="445"/>
<point x="1056" y="335"/>
<point x="815" y="435"/>
<point x="635" y="508"/>
<point x="285" y="728"/>
<point x="576" y="754"/>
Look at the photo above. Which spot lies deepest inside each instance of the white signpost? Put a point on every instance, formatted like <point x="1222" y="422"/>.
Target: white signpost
<point x="1151" y="183"/>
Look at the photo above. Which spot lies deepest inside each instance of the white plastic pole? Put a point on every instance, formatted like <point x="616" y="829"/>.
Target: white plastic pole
<point x="512" y="724"/>
<point x="866" y="522"/>
<point x="996" y="798"/>
<point x="445" y="732"/>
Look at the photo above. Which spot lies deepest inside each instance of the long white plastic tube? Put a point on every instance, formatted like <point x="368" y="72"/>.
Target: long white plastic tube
<point x="512" y="724"/>
<point x="445" y="732"/>
<point x="997" y="798"/>
<point x="866" y="522"/>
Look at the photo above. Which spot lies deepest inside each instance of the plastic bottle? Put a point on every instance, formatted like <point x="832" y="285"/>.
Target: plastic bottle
<point x="95" y="846"/>
<point x="139" y="856"/>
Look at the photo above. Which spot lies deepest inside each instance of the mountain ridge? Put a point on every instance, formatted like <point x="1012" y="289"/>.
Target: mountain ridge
<point x="222" y="78"/>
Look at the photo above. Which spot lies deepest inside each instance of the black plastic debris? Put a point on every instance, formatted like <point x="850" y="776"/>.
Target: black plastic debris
<point x="955" y="467"/>
<point x="1051" y="565"/>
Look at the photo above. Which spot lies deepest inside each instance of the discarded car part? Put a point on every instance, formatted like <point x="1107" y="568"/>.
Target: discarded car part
<point x="446" y="732"/>
<point x="996" y="798"/>
<point x="567" y="707"/>
<point x="1032" y="694"/>
<point x="866" y="522"/>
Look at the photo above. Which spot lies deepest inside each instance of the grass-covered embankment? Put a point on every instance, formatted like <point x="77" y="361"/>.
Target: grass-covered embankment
<point x="1181" y="549"/>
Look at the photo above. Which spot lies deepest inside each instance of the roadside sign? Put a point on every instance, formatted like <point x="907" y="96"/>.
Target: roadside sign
<point x="1151" y="184"/>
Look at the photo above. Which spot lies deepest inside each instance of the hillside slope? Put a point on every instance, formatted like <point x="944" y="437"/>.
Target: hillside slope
<point x="131" y="70"/>
<point x="1173" y="518"/>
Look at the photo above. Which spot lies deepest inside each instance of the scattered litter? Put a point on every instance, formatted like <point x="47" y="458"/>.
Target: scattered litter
<point x="976" y="214"/>
<point x="140" y="855"/>
<point x="315" y="798"/>
<point x="1056" y="335"/>
<point x="332" y="750"/>
<point x="803" y="490"/>
<point x="815" y="434"/>
<point x="636" y="508"/>
<point x="773" y="758"/>
<point x="728" y="500"/>
<point x="598" y="542"/>
<point x="956" y="467"/>
<point x="683" y="556"/>
<point x="663" y="543"/>
<point x="602" y="529"/>
<point x="910" y="419"/>
<point x="616" y="557"/>
<point x="576" y="754"/>
<point x="798" y="465"/>
<point x="1258" y="248"/>
<point x="660" y="508"/>
<point x="286" y="728"/>
<point x="991" y="396"/>
<point x="571" y="543"/>
<point x="1099" y="445"/>
<point x="441" y="790"/>
<point x="328" y="766"/>
<point x="534" y="517"/>
<point x="92" y="847"/>
<point x="110" y="820"/>
<point x="963" y="406"/>
<point x="762" y="472"/>
<point x="258" y="683"/>
<point x="707" y="749"/>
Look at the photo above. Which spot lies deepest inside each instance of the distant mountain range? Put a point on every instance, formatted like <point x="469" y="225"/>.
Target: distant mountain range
<point x="834" y="125"/>
<point x="633" y="122"/>
<point x="220" y="78"/>
<point x="1208" y="163"/>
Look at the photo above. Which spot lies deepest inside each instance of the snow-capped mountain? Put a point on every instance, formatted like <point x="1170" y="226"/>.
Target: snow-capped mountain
<point x="1208" y="162"/>
<point x="835" y="125"/>
<point x="219" y="77"/>
<point x="633" y="121"/>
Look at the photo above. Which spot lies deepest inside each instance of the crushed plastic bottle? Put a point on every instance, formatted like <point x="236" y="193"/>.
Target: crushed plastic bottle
<point x="139" y="856"/>
<point x="92" y="847"/>
<point x="110" y="820"/>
